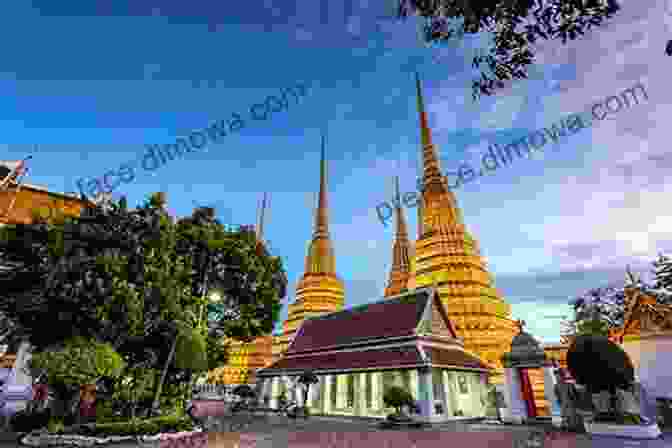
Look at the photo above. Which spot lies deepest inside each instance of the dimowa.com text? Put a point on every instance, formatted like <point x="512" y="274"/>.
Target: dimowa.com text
<point x="525" y="146"/>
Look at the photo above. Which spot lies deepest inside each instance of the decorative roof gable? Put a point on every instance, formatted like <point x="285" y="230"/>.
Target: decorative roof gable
<point x="389" y="318"/>
<point x="435" y="321"/>
<point x="643" y="315"/>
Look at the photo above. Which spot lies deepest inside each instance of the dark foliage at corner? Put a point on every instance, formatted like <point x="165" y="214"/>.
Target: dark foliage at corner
<point x="599" y="364"/>
<point x="516" y="25"/>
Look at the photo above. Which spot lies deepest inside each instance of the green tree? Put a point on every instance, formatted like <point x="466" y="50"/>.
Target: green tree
<point x="140" y="281"/>
<point x="515" y="25"/>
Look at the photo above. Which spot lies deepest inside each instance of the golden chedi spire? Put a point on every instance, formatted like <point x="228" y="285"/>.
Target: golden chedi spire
<point x="320" y="257"/>
<point x="320" y="290"/>
<point x="400" y="272"/>
<point x="446" y="254"/>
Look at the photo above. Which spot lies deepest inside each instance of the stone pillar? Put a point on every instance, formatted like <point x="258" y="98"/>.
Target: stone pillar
<point x="551" y="398"/>
<point x="426" y="394"/>
<point x="516" y="411"/>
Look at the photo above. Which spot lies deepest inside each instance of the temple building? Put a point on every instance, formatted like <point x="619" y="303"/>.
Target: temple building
<point x="22" y="203"/>
<point x="646" y="336"/>
<point x="405" y="340"/>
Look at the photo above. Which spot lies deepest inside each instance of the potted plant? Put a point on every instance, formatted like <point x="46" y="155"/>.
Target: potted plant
<point x="603" y="367"/>
<point x="246" y="394"/>
<point x="398" y="397"/>
<point x="307" y="378"/>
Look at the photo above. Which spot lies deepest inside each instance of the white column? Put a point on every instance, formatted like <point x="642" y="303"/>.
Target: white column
<point x="516" y="410"/>
<point x="450" y="408"/>
<point x="275" y="391"/>
<point x="414" y="384"/>
<point x="452" y="392"/>
<point x="315" y="390"/>
<point x="327" y="393"/>
<point x="551" y="398"/>
<point x="474" y="380"/>
<point x="360" y="394"/>
<point x="340" y="391"/>
<point x="376" y="391"/>
<point x="268" y="386"/>
<point x="426" y="394"/>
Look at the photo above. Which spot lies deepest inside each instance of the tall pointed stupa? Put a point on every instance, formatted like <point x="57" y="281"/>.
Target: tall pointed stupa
<point x="447" y="255"/>
<point x="400" y="272"/>
<point x="320" y="290"/>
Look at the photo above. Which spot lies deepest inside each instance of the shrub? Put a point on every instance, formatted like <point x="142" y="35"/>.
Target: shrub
<point x="55" y="425"/>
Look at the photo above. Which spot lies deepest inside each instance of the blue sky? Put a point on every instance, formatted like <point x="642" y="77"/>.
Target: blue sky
<point x="93" y="83"/>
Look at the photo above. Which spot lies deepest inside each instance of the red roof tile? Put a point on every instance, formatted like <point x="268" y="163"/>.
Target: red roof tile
<point x="388" y="318"/>
<point x="453" y="357"/>
<point x="388" y="357"/>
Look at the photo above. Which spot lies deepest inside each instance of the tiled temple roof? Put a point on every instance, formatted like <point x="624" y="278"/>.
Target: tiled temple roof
<point x="362" y="359"/>
<point x="391" y="317"/>
<point x="457" y="358"/>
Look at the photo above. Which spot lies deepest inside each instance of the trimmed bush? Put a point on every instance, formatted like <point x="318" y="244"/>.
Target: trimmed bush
<point x="152" y="426"/>
<point x="81" y="361"/>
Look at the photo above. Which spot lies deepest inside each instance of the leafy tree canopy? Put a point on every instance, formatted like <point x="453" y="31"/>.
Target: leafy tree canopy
<point x="515" y="25"/>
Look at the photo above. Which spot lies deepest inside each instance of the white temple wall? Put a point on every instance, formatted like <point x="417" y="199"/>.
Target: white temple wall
<point x="447" y="391"/>
<point x="652" y="358"/>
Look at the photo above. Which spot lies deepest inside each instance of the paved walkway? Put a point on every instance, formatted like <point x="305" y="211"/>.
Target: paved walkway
<point x="328" y="432"/>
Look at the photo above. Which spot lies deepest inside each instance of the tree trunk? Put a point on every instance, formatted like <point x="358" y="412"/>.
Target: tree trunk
<point x="159" y="386"/>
